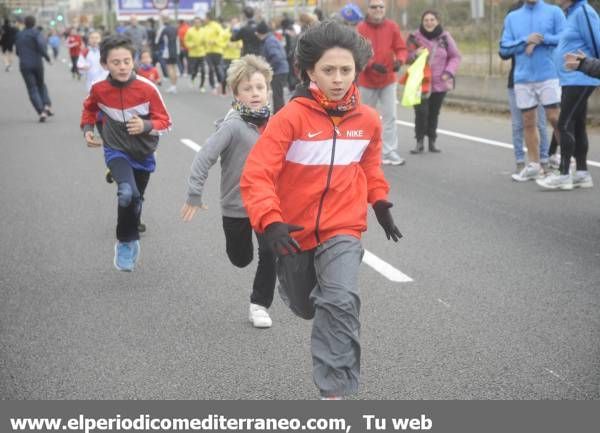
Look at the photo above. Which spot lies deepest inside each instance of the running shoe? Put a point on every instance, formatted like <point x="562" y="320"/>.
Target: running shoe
<point x="392" y="158"/>
<point x="554" y="161"/>
<point x="531" y="171"/>
<point x="556" y="181"/>
<point x="126" y="254"/>
<point x="259" y="316"/>
<point x="582" y="179"/>
<point x="108" y="176"/>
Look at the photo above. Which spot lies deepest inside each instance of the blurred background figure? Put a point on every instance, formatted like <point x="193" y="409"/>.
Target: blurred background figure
<point x="7" y="41"/>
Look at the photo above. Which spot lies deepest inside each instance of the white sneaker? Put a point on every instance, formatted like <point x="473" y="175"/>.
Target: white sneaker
<point x="556" y="181"/>
<point x="532" y="171"/>
<point x="554" y="161"/>
<point x="582" y="179"/>
<point x="172" y="89"/>
<point x="259" y="316"/>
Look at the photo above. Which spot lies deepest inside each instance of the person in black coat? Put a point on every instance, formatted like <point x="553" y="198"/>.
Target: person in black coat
<point x="31" y="49"/>
<point x="7" y="42"/>
<point x="247" y="34"/>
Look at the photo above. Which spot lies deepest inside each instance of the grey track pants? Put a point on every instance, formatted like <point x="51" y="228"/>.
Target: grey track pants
<point x="323" y="284"/>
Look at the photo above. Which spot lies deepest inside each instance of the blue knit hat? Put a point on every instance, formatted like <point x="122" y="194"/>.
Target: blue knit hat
<point x="352" y="13"/>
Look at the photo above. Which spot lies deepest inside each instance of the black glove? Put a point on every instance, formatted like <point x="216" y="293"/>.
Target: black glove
<point x="384" y="217"/>
<point x="279" y="240"/>
<point x="379" y="68"/>
<point x="397" y="65"/>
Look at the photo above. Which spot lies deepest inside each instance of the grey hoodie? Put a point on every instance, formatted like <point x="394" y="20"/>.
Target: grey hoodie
<point x="232" y="141"/>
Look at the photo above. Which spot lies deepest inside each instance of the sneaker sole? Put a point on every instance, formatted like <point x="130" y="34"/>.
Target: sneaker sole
<point x="395" y="163"/>
<point x="554" y="187"/>
<point x="583" y="185"/>
<point x="261" y="323"/>
<point x="518" y="178"/>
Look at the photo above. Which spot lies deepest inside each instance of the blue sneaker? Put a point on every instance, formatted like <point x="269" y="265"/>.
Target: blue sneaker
<point x="126" y="254"/>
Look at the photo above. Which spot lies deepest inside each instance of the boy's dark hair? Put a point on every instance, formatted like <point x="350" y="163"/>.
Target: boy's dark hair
<point x="113" y="42"/>
<point x="248" y="12"/>
<point x="320" y="37"/>
<point x="29" y="21"/>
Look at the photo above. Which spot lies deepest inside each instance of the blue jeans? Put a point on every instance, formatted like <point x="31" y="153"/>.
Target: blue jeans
<point x="517" y="129"/>
<point x="38" y="92"/>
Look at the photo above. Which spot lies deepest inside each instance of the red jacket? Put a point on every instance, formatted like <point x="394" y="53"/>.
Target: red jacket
<point x="150" y="73"/>
<point x="305" y="171"/>
<point x="388" y="46"/>
<point x="74" y="42"/>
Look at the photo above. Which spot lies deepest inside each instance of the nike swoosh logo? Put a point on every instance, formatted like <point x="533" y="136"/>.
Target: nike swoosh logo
<point x="313" y="134"/>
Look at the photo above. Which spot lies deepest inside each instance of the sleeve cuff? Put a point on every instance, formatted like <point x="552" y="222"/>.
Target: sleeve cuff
<point x="194" y="200"/>
<point x="86" y="128"/>
<point x="148" y="126"/>
<point x="375" y="196"/>
<point x="271" y="217"/>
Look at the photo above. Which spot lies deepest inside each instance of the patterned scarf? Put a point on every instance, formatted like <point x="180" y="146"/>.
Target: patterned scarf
<point x="336" y="108"/>
<point x="256" y="117"/>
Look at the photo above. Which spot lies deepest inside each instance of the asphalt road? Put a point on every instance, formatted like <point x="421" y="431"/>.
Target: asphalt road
<point x="504" y="302"/>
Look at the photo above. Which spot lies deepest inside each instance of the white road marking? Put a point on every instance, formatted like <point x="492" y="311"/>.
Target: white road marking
<point x="444" y="303"/>
<point x="478" y="139"/>
<point x="385" y="269"/>
<point x="191" y="144"/>
<point x="379" y="265"/>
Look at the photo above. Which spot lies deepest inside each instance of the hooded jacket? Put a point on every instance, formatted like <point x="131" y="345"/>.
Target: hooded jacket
<point x="540" y="17"/>
<point x="388" y="46"/>
<point x="577" y="36"/>
<point x="306" y="171"/>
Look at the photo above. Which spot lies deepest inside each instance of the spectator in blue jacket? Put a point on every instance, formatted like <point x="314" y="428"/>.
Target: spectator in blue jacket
<point x="31" y="48"/>
<point x="531" y="34"/>
<point x="272" y="50"/>
<point x="581" y="35"/>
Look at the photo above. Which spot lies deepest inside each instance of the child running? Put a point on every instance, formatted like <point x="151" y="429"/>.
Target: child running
<point x="134" y="115"/>
<point x="306" y="185"/>
<point x="249" y="79"/>
<point x="146" y="69"/>
<point x="89" y="61"/>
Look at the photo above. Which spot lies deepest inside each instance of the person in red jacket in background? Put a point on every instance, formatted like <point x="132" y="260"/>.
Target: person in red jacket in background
<point x="306" y="185"/>
<point x="183" y="51"/>
<point x="74" y="43"/>
<point x="378" y="81"/>
<point x="146" y="69"/>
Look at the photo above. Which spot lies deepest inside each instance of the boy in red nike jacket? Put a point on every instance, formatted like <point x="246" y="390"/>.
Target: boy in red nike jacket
<point x="307" y="183"/>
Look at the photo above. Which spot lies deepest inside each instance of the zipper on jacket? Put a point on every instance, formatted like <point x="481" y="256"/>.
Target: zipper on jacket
<point x="329" y="173"/>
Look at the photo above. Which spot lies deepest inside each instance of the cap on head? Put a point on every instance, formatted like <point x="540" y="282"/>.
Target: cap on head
<point x="352" y="13"/>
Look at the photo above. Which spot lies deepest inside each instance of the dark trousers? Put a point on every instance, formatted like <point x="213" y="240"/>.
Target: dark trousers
<point x="427" y="114"/>
<point x="225" y="67"/>
<point x="571" y="126"/>
<point x="74" y="69"/>
<point x="195" y="65"/>
<point x="279" y="81"/>
<point x="131" y="185"/>
<point x="38" y="92"/>
<point x="214" y="70"/>
<point x="240" y="250"/>
<point x="182" y="60"/>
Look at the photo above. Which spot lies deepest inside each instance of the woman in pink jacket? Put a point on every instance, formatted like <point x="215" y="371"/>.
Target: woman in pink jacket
<point x="442" y="64"/>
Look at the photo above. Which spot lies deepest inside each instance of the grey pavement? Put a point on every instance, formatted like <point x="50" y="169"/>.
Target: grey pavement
<point x="505" y="302"/>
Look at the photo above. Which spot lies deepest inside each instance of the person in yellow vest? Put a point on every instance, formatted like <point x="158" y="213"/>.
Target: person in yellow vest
<point x="231" y="50"/>
<point x="214" y="50"/>
<point x="195" y="41"/>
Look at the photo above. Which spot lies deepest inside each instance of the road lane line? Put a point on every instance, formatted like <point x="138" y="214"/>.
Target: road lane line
<point x="191" y="144"/>
<point x="385" y="269"/>
<point x="379" y="265"/>
<point x="478" y="139"/>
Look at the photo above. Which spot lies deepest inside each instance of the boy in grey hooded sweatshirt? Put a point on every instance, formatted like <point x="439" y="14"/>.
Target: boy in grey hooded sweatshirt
<point x="249" y="78"/>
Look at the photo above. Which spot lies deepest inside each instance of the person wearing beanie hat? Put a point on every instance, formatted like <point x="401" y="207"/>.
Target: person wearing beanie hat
<point x="274" y="53"/>
<point x="351" y="14"/>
